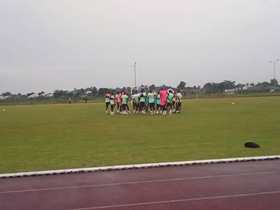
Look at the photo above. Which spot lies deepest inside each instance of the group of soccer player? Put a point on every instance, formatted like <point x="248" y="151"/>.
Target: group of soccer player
<point x="165" y="101"/>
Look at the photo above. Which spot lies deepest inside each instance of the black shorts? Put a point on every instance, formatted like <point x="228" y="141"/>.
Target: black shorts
<point x="107" y="105"/>
<point x="169" y="104"/>
<point x="152" y="105"/>
<point x="178" y="105"/>
<point x="142" y="105"/>
<point x="135" y="105"/>
<point x="125" y="107"/>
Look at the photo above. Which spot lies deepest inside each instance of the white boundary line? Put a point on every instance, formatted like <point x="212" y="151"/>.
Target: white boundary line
<point x="138" y="166"/>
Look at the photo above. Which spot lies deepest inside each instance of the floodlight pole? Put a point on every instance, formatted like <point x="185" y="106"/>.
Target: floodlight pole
<point x="135" y="75"/>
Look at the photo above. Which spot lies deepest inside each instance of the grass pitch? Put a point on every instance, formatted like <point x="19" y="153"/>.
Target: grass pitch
<point x="41" y="137"/>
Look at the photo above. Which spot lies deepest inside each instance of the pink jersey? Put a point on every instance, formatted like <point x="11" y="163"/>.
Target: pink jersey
<point x="163" y="97"/>
<point x="119" y="98"/>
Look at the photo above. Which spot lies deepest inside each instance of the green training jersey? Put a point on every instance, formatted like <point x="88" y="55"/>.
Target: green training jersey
<point x="151" y="98"/>
<point x="143" y="97"/>
<point x="170" y="97"/>
<point x="158" y="99"/>
<point x="125" y="99"/>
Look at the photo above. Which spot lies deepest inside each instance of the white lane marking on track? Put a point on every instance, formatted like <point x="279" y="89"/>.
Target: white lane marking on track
<point x="138" y="182"/>
<point x="181" y="200"/>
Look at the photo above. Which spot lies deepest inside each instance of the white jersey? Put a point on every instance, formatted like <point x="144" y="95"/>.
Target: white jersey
<point x="112" y="100"/>
<point x="107" y="98"/>
<point x="179" y="97"/>
<point x="136" y="97"/>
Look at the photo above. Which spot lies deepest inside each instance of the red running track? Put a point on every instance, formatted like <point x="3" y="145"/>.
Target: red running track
<point x="233" y="186"/>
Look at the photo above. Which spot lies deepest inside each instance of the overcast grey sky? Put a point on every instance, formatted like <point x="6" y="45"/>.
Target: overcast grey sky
<point x="62" y="44"/>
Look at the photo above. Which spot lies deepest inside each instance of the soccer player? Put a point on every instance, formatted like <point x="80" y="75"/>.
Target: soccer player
<point x="163" y="100"/>
<point x="135" y="102"/>
<point x="107" y="102"/>
<point x="157" y="103"/>
<point x="118" y="101"/>
<point x="125" y="99"/>
<point x="146" y="102"/>
<point x="151" y="100"/>
<point x="170" y="98"/>
<point x="142" y="101"/>
<point x="178" y="105"/>
<point x="112" y="103"/>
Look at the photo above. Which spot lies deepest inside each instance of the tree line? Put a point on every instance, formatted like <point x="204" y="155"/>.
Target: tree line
<point x="225" y="87"/>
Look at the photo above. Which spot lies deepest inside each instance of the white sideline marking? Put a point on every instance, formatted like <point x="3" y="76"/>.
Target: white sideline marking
<point x="138" y="166"/>
<point x="137" y="182"/>
<point x="181" y="200"/>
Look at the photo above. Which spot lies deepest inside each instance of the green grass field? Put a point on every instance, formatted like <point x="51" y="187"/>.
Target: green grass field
<point x="41" y="137"/>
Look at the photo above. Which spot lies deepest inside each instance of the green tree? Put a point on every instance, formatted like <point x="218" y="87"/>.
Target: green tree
<point x="181" y="85"/>
<point x="274" y="83"/>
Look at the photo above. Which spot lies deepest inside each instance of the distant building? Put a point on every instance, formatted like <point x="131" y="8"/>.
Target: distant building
<point x="3" y="97"/>
<point x="231" y="91"/>
<point x="33" y="95"/>
<point x="89" y="92"/>
<point x="48" y="95"/>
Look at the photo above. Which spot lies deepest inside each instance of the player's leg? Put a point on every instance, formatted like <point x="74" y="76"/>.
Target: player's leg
<point x="133" y="107"/>
<point x="138" y="107"/>
<point x="150" y="107"/>
<point x="118" y="107"/>
<point x="107" y="105"/>
<point x="122" y="108"/>
<point x="170" y="107"/>
<point x="142" y="106"/>
<point x="153" y="108"/>
<point x="179" y="106"/>
<point x="127" y="108"/>
<point x="112" y="109"/>
<point x="174" y="106"/>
